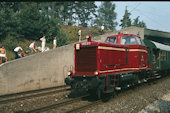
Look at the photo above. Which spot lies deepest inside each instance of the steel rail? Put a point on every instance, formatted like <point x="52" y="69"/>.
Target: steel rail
<point x="31" y="91"/>
<point x="29" y="95"/>
<point x="52" y="106"/>
<point x="78" y="109"/>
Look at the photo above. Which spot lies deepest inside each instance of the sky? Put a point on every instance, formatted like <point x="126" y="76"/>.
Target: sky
<point x="156" y="14"/>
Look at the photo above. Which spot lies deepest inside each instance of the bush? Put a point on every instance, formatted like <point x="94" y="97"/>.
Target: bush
<point x="10" y="55"/>
<point x="10" y="43"/>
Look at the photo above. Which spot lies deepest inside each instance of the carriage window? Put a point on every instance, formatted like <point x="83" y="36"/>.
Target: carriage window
<point x="163" y="55"/>
<point x="111" y="39"/>
<point x="128" y="40"/>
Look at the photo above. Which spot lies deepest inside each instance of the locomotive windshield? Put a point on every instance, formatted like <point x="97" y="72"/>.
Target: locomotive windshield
<point x="128" y="40"/>
<point x="111" y="39"/>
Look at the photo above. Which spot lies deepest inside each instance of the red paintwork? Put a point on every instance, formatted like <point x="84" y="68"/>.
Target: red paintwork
<point x="106" y="57"/>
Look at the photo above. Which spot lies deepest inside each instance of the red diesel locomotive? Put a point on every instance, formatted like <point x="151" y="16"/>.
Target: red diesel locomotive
<point x="104" y="67"/>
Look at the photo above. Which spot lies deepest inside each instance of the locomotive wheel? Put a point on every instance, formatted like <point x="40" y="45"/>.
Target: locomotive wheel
<point x="106" y="97"/>
<point x="114" y="93"/>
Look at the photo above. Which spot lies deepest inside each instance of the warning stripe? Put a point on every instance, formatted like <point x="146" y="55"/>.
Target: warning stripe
<point x="121" y="49"/>
<point x="123" y="69"/>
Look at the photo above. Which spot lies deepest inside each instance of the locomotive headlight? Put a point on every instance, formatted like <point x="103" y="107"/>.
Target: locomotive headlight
<point x="69" y="73"/>
<point x="77" y="46"/>
<point x="96" y="73"/>
<point x="87" y="36"/>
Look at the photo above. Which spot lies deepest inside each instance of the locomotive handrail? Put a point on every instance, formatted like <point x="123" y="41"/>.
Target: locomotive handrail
<point x="64" y="71"/>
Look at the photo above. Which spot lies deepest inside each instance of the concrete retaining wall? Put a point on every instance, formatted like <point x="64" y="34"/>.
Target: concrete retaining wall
<point x="42" y="70"/>
<point x="36" y="71"/>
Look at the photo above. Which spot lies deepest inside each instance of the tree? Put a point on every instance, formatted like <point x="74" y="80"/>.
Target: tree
<point x="84" y="12"/>
<point x="138" y="23"/>
<point x="106" y="15"/>
<point x="126" y="21"/>
<point x="8" y="20"/>
<point x="30" y="22"/>
<point x="71" y="8"/>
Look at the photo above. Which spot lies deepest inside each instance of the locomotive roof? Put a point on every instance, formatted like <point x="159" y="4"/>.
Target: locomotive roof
<point x="161" y="46"/>
<point x="118" y="35"/>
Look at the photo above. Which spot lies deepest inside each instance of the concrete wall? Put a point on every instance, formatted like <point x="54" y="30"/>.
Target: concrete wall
<point x="36" y="71"/>
<point x="42" y="70"/>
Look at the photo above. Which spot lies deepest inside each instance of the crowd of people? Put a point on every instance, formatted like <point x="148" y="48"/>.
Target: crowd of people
<point x="19" y="52"/>
<point x="33" y="48"/>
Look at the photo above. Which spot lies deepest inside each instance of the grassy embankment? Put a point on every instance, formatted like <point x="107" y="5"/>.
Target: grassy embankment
<point x="71" y="31"/>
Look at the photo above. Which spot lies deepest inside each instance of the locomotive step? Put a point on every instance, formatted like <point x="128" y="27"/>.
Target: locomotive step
<point x="118" y="88"/>
<point x="158" y="76"/>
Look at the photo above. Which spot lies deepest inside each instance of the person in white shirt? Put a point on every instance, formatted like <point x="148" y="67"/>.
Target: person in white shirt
<point x="43" y="43"/>
<point x="32" y="47"/>
<point x="16" y="51"/>
<point x="54" y="43"/>
<point x="79" y="34"/>
<point x="102" y="29"/>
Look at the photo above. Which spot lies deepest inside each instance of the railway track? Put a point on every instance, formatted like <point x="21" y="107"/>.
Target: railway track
<point x="65" y="104"/>
<point x="30" y="94"/>
<point x="120" y="94"/>
<point x="77" y="105"/>
<point x="60" y="106"/>
<point x="83" y="107"/>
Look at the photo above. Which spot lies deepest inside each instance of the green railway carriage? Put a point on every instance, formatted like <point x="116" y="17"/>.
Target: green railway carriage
<point x="159" y="57"/>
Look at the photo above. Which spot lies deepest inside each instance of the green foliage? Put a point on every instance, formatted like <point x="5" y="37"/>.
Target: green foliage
<point x="85" y="11"/>
<point x="30" y="24"/>
<point x="126" y="21"/>
<point x="106" y="15"/>
<point x="72" y="34"/>
<point x="138" y="23"/>
<point x="62" y="38"/>
<point x="10" y="55"/>
<point x="10" y="43"/>
<point x="93" y="32"/>
<point x="8" y="21"/>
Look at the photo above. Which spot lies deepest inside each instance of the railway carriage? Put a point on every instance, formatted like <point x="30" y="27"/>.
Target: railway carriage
<point x="121" y="61"/>
<point x="159" y="57"/>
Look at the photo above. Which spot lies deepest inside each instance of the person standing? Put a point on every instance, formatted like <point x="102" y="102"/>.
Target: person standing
<point x="54" y="43"/>
<point x="16" y="51"/>
<point x="32" y="47"/>
<point x="102" y="29"/>
<point x="79" y="34"/>
<point x="43" y="43"/>
<point x="3" y="54"/>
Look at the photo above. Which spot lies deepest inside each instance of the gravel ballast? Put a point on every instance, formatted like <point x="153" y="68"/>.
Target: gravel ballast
<point x="130" y="101"/>
<point x="133" y="101"/>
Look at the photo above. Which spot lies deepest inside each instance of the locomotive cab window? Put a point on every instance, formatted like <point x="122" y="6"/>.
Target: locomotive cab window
<point x="111" y="39"/>
<point x="128" y="40"/>
<point x="139" y="41"/>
